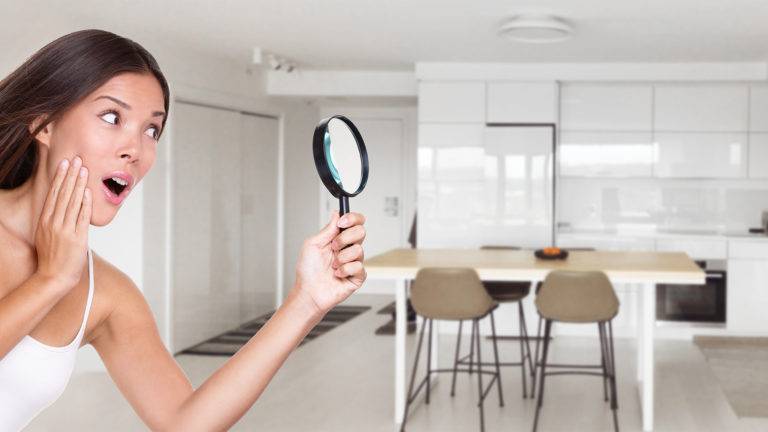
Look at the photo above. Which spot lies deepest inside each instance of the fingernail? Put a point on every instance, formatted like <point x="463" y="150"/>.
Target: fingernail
<point x="64" y="164"/>
<point x="77" y="160"/>
<point x="83" y="171"/>
<point x="343" y="222"/>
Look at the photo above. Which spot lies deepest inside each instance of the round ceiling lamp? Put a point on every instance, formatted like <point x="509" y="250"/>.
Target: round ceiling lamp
<point x="536" y="29"/>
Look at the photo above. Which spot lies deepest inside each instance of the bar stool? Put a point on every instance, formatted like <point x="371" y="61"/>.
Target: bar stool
<point x="507" y="292"/>
<point x="453" y="294"/>
<point x="540" y="324"/>
<point x="579" y="297"/>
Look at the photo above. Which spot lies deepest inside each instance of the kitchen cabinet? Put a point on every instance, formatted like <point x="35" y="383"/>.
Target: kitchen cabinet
<point x="758" y="155"/>
<point x="701" y="155"/>
<point x="747" y="299"/>
<point x="606" y="107"/>
<point x="460" y="102"/>
<point x="758" y="108"/>
<point x="606" y="154"/>
<point x="522" y="102"/>
<point x="713" y="108"/>
<point x="451" y="151"/>
<point x="698" y="249"/>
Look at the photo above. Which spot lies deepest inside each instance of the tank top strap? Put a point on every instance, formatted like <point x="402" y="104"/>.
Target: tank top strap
<point x="90" y="296"/>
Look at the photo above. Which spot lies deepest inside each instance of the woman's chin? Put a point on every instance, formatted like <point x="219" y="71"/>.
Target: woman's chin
<point x="102" y="217"/>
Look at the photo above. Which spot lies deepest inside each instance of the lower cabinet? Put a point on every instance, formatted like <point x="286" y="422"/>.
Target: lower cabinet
<point x="747" y="298"/>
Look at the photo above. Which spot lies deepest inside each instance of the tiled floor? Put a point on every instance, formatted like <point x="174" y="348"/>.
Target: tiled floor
<point x="343" y="382"/>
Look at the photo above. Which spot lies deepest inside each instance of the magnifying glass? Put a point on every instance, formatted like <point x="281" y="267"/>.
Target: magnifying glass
<point x="340" y="158"/>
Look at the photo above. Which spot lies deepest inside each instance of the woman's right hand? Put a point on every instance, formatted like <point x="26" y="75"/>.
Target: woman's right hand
<point x="61" y="238"/>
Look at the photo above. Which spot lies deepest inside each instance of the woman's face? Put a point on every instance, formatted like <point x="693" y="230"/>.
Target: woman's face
<point x="114" y="130"/>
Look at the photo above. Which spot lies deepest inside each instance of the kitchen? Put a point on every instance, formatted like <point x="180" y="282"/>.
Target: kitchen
<point x="591" y="126"/>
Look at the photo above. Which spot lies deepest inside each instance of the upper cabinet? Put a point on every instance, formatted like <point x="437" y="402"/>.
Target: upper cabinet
<point x="606" y="107"/>
<point x="452" y="102"/>
<point x="522" y="102"/>
<point x="701" y="108"/>
<point x="758" y="108"/>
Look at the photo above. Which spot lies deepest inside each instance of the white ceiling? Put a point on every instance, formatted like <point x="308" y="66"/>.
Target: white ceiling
<point x="394" y="34"/>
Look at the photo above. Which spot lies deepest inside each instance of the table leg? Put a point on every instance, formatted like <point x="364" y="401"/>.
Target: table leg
<point x="646" y="341"/>
<point x="639" y="317"/>
<point x="400" y="332"/>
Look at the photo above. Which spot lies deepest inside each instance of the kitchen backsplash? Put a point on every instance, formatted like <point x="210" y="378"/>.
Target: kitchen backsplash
<point x="587" y="204"/>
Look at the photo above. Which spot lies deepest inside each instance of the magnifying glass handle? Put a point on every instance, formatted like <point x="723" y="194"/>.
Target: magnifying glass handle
<point x="343" y="205"/>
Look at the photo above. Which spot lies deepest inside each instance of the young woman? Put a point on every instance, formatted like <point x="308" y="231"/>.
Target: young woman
<point x="79" y="124"/>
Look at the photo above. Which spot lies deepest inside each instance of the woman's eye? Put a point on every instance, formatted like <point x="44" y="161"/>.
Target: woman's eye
<point x="152" y="132"/>
<point x="109" y="117"/>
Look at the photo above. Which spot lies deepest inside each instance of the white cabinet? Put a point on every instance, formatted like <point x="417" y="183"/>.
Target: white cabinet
<point x="605" y="242"/>
<point x="522" y="102"/>
<point x="701" y="155"/>
<point x="758" y="108"/>
<point x="451" y="152"/>
<point x="606" y="154"/>
<point x="747" y="299"/>
<point x="698" y="249"/>
<point x="460" y="102"/>
<point x="606" y="107"/>
<point x="701" y="108"/>
<point x="758" y="155"/>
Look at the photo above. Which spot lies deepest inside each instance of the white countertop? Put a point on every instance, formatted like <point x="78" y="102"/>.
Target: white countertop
<point x="665" y="234"/>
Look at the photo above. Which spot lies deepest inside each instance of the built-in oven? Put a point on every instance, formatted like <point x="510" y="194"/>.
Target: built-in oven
<point x="695" y="303"/>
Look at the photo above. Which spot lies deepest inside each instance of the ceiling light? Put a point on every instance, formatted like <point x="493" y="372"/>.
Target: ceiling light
<point x="536" y="29"/>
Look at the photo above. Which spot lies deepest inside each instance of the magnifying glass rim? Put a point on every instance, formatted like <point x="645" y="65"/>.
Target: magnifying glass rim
<point x="321" y="163"/>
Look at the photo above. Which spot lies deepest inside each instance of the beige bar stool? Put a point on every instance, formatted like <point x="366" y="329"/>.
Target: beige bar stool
<point x="579" y="297"/>
<point x="453" y="294"/>
<point x="507" y="292"/>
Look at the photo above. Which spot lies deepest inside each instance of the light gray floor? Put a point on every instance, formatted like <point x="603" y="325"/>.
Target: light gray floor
<point x="343" y="381"/>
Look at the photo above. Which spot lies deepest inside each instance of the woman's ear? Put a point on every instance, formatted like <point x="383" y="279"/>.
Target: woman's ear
<point x="44" y="136"/>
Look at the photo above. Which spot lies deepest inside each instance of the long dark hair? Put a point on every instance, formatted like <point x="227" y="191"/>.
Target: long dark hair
<point x="54" y="79"/>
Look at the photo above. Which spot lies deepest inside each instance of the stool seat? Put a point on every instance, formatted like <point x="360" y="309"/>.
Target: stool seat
<point x="577" y="297"/>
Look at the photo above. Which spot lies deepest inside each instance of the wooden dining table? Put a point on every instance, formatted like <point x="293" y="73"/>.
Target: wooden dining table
<point x="641" y="269"/>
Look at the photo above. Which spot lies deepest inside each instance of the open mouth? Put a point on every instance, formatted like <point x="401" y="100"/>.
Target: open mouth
<point x="116" y="185"/>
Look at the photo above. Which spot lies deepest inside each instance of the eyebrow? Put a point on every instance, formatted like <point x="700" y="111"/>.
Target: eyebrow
<point x="126" y="106"/>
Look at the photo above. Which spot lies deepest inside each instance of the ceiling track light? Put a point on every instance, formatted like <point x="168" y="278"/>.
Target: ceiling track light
<point x="536" y="28"/>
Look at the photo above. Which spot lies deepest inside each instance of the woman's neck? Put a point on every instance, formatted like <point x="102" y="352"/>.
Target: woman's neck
<point x="20" y="207"/>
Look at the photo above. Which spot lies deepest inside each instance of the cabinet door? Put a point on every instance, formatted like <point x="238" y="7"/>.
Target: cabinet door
<point x="606" y="154"/>
<point x="701" y="155"/>
<point x="758" y="108"/>
<point x="701" y="108"/>
<point x="758" y="155"/>
<point x="606" y="107"/>
<point x="452" y="102"/>
<point x="522" y="102"/>
<point x="747" y="299"/>
<point x="451" y="152"/>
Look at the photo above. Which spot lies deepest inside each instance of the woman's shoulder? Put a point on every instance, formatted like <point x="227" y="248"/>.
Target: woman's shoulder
<point x="115" y="293"/>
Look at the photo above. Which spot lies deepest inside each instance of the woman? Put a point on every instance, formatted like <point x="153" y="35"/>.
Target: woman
<point x="79" y="124"/>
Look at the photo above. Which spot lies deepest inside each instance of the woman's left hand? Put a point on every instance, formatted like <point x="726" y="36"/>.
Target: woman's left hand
<point x="328" y="271"/>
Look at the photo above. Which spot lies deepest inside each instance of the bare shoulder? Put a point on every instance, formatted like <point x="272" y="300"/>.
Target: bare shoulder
<point x="117" y="298"/>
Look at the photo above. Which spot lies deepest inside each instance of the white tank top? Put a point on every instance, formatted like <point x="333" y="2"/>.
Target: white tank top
<point x="33" y="375"/>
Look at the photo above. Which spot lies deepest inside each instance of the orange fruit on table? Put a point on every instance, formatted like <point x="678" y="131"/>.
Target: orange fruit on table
<point x="551" y="251"/>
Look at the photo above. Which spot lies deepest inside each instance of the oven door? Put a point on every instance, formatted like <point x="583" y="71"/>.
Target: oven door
<point x="693" y="303"/>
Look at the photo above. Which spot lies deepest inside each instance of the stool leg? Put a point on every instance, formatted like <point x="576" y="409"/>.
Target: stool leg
<point x="522" y="351"/>
<point x="496" y="355"/>
<point x="429" y="361"/>
<point x="413" y="375"/>
<point x="611" y="361"/>
<point x="603" y="348"/>
<point x="456" y="360"/>
<point x="527" y="338"/>
<point x="472" y="349"/>
<point x="547" y="328"/>
<point x="536" y="365"/>
<point x="479" y="375"/>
